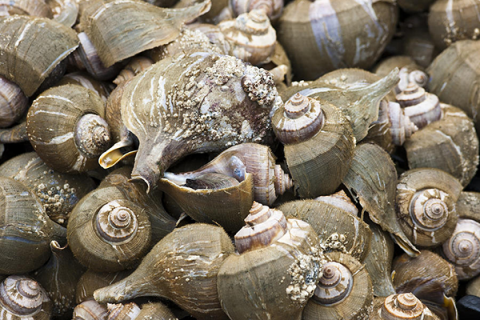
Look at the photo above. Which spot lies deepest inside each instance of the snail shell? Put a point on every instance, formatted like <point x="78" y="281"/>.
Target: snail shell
<point x="64" y="11"/>
<point x="422" y="272"/>
<point x="36" y="46"/>
<point x="83" y="79"/>
<point x="216" y="102"/>
<point x="450" y="21"/>
<point x="59" y="277"/>
<point x="269" y="179"/>
<point x="123" y="311"/>
<point x="36" y="8"/>
<point x="378" y="262"/>
<point x="79" y="131"/>
<point x="121" y="29"/>
<point x="426" y="205"/>
<point x="270" y="248"/>
<point x="13" y="103"/>
<point x="467" y="205"/>
<point x="272" y="8"/>
<point x="107" y="232"/>
<point x="90" y="310"/>
<point x="136" y="65"/>
<point x="343" y="292"/>
<point x="156" y="311"/>
<point x="24" y="298"/>
<point x="337" y="229"/>
<point x="454" y="77"/>
<point x="92" y="280"/>
<point x="462" y="249"/>
<point x="421" y="107"/>
<point x="25" y="229"/>
<point x="450" y="144"/>
<point x="58" y="192"/>
<point x="318" y="144"/>
<point x="251" y="37"/>
<point x="182" y="267"/>
<point x="331" y="39"/>
<point x="401" y="306"/>
<point x="372" y="180"/>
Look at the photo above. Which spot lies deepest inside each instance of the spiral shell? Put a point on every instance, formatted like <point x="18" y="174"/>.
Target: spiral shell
<point x="343" y="292"/>
<point x="79" y="132"/>
<point x="120" y="311"/>
<point x="22" y="297"/>
<point x="107" y="231"/>
<point x="272" y="8"/>
<point x="402" y="306"/>
<point x="90" y="310"/>
<point x="251" y="37"/>
<point x="462" y="249"/>
<point x="426" y="205"/>
<point x="421" y="107"/>
<point x="270" y="248"/>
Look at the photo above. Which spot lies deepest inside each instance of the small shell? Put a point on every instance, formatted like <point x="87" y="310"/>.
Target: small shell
<point x="129" y="311"/>
<point x="90" y="310"/>
<point x="136" y="65"/>
<point x="462" y="249"/>
<point x="13" y="103"/>
<point x="272" y="8"/>
<point x="402" y="306"/>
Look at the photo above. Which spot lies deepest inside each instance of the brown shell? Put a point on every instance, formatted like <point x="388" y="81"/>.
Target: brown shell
<point x="450" y="21"/>
<point x="355" y="304"/>
<point x="449" y="144"/>
<point x="330" y="37"/>
<point x="13" y="103"/>
<point x="182" y="267"/>
<point x="79" y="143"/>
<point x="337" y="229"/>
<point x="467" y="205"/>
<point x="35" y="8"/>
<point x="64" y="11"/>
<point x="92" y="280"/>
<point x="372" y="180"/>
<point x="28" y="56"/>
<point x="425" y="201"/>
<point x="58" y="192"/>
<point x="273" y="280"/>
<point x="462" y="249"/>
<point x="90" y="310"/>
<point x="401" y="307"/>
<point x="103" y="89"/>
<point x="121" y="29"/>
<point x="273" y="8"/>
<point x="416" y="275"/>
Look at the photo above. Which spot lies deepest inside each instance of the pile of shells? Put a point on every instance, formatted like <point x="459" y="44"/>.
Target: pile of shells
<point x="236" y="160"/>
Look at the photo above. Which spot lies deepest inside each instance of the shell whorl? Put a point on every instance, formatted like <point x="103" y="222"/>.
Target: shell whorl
<point x="417" y="77"/>
<point x="282" y="181"/>
<point x="272" y="8"/>
<point x="21" y="295"/>
<point x="300" y="118"/>
<point x="402" y="127"/>
<point x="264" y="226"/>
<point x="115" y="222"/>
<point x="421" y="107"/>
<point x="123" y="311"/>
<point x="430" y="208"/>
<point x="463" y="249"/>
<point x="334" y="285"/>
<point x="402" y="306"/>
<point x="92" y="135"/>
<point x="136" y="65"/>
<point x="90" y="310"/>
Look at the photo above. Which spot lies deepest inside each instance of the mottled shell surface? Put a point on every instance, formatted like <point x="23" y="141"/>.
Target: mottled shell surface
<point x="468" y="205"/>
<point x="182" y="267"/>
<point x="337" y="229"/>
<point x="450" y="144"/>
<point x="212" y="102"/>
<point x="372" y="180"/>
<point x="32" y="48"/>
<point x="340" y="34"/>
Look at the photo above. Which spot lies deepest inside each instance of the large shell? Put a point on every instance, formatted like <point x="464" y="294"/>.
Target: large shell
<point x="182" y="267"/>
<point x="344" y="291"/>
<point x="337" y="229"/>
<point x="197" y="102"/>
<point x="58" y="192"/>
<point x="122" y="28"/>
<point x="31" y="48"/>
<point x="372" y="180"/>
<point x="467" y="205"/>
<point x="449" y="144"/>
<point x="275" y="271"/>
<point x="91" y="281"/>
<point x="36" y="8"/>
<point x="425" y="200"/>
<point x="335" y="34"/>
<point x="13" y="103"/>
<point x="107" y="232"/>
<point x="318" y="144"/>
<point x="78" y="131"/>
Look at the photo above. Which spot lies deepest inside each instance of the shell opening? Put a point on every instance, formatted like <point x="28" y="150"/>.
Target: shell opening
<point x="116" y="223"/>
<point x="335" y="284"/>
